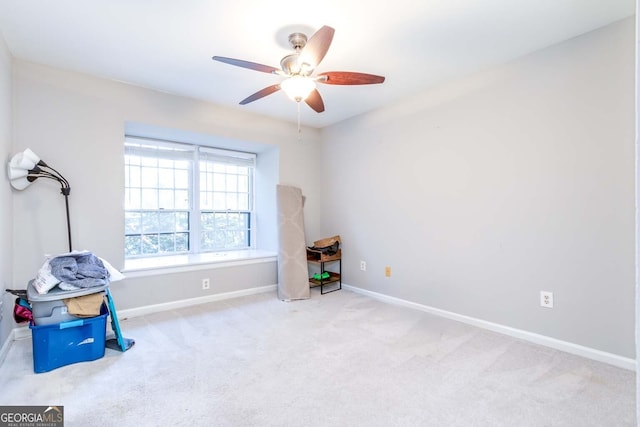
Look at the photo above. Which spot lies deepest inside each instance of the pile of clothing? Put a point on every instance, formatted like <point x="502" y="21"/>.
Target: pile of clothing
<point x="70" y="272"/>
<point x="73" y="271"/>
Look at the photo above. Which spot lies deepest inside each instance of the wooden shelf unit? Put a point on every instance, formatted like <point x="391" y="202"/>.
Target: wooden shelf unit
<point x="319" y="258"/>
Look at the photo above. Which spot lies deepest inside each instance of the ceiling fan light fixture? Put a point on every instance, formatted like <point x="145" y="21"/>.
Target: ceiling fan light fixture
<point x="298" y="87"/>
<point x="298" y="68"/>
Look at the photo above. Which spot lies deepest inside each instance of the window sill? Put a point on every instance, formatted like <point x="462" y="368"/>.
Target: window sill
<point x="141" y="267"/>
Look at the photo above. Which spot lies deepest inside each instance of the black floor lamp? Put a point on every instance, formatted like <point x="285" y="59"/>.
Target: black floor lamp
<point x="24" y="168"/>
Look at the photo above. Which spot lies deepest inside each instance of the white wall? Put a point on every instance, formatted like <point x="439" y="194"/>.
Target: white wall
<point x="6" y="253"/>
<point x="482" y="193"/>
<point x="76" y="123"/>
<point x="637" y="323"/>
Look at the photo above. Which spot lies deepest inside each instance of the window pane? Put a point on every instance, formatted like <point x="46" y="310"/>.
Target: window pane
<point x="150" y="244"/>
<point x="232" y="183"/>
<point x="149" y="222"/>
<point x="182" y="242"/>
<point x="243" y="184"/>
<point x="232" y="201"/>
<point x="207" y="221"/>
<point x="149" y="199"/>
<point x="165" y="178"/>
<point x="182" y="221"/>
<point x="166" y="221"/>
<point x="132" y="224"/>
<point x="166" y="243"/>
<point x="182" y="199"/>
<point x="149" y="177"/>
<point x="219" y="182"/>
<point x="206" y="200"/>
<point x="219" y="201"/>
<point x="132" y="198"/>
<point x="243" y="202"/>
<point x="166" y="199"/>
<point x="219" y="238"/>
<point x="236" y="239"/>
<point x="132" y="176"/>
<point x="207" y="240"/>
<point x="205" y="181"/>
<point x="182" y="178"/>
<point x="132" y="245"/>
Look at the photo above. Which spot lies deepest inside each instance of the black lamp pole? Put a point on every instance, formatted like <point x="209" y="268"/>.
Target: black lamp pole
<point x="42" y="170"/>
<point x="65" y="192"/>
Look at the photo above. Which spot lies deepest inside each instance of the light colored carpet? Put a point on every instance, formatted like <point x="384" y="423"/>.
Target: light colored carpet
<point x="340" y="359"/>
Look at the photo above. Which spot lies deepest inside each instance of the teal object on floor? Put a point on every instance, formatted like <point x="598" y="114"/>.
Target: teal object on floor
<point x="119" y="342"/>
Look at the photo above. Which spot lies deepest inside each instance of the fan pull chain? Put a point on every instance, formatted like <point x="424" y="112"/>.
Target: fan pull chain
<point x="299" y="129"/>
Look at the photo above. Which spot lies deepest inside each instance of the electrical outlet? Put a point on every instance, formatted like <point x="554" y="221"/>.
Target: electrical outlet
<point x="363" y="265"/>
<point x="387" y="271"/>
<point x="546" y="299"/>
<point x="205" y="283"/>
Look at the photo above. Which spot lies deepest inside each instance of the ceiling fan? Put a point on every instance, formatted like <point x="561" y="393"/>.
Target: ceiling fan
<point x="298" y="68"/>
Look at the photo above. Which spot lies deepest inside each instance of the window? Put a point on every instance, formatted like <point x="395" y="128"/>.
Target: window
<point x="182" y="198"/>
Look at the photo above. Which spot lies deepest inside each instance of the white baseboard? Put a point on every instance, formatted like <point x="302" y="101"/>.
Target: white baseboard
<point x="173" y="305"/>
<point x="21" y="333"/>
<point x="15" y="334"/>
<point x="4" y="350"/>
<point x="579" y="350"/>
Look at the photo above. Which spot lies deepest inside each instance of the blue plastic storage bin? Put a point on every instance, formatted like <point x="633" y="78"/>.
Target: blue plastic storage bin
<point x="70" y="342"/>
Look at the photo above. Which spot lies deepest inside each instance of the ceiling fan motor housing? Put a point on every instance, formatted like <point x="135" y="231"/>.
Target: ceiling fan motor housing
<point x="297" y="40"/>
<point x="294" y="64"/>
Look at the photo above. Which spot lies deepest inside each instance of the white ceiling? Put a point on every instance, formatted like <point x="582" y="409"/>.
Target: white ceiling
<point x="167" y="44"/>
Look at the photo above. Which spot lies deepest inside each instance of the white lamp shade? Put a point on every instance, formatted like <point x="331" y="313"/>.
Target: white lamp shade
<point x="26" y="160"/>
<point x="14" y="173"/>
<point x="20" y="183"/>
<point x="19" y="161"/>
<point x="298" y="87"/>
<point x="31" y="156"/>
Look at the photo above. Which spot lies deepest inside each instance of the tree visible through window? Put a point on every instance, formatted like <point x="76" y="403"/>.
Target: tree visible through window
<point x="182" y="198"/>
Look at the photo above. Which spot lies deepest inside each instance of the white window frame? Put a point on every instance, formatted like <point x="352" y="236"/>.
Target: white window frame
<point x="196" y="154"/>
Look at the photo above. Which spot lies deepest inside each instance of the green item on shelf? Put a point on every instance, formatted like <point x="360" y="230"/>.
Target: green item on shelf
<point x="322" y="276"/>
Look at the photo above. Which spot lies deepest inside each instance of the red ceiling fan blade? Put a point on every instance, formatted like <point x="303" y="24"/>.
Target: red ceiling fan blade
<point x="317" y="46"/>
<point x="348" y="78"/>
<point x="314" y="100"/>
<point x="246" y="64"/>
<point x="261" y="94"/>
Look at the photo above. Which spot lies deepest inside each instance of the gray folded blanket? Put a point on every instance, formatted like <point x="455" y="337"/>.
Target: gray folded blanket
<point x="82" y="270"/>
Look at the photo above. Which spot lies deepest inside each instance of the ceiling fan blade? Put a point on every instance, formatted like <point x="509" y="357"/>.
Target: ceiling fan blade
<point x="317" y="46"/>
<point x="261" y="94"/>
<point x="314" y="100"/>
<point x="247" y="64"/>
<point x="348" y="78"/>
